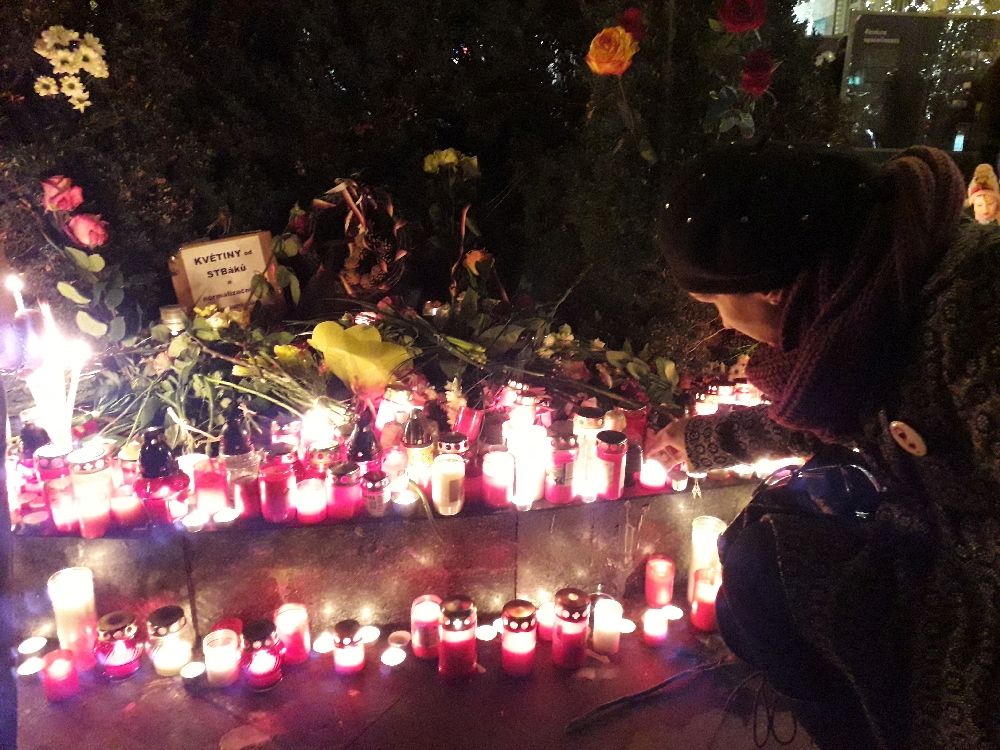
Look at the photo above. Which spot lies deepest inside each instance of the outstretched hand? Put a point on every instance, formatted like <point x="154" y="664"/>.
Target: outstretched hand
<point x="668" y="443"/>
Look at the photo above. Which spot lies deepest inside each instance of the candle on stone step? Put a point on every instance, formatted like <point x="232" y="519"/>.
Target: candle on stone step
<point x="72" y="594"/>
<point x="607" y="626"/>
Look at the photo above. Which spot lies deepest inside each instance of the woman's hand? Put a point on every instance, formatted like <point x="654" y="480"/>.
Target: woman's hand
<point x="668" y="443"/>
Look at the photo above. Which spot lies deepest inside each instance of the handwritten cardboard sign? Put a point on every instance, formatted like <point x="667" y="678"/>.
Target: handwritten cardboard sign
<point x="219" y="273"/>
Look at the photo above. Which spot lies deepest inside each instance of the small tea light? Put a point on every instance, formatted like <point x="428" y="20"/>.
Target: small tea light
<point x="59" y="676"/>
<point x="653" y="475"/>
<point x="607" y="630"/>
<point x="498" y="624"/>
<point x="628" y="626"/>
<point x="324" y="643"/>
<point x="349" y="649"/>
<point x="369" y="634"/>
<point x="196" y="521"/>
<point x="193" y="675"/>
<point x="673" y="613"/>
<point x="225" y="518"/>
<point x="588" y="492"/>
<point x="405" y="503"/>
<point x="655" y="625"/>
<point x="393" y="657"/>
<point x="31" y="665"/>
<point x="31" y="646"/>
<point x="399" y="639"/>
<point x="486" y="633"/>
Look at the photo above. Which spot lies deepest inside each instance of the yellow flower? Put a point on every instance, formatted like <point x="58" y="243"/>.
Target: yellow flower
<point x="473" y="257"/>
<point x="80" y="103"/>
<point x="94" y="43"/>
<point x="238" y="315"/>
<point x="59" y="36"/>
<point x="64" y="62"/>
<point x="89" y="60"/>
<point x="358" y="356"/>
<point x="46" y="86"/>
<point x="449" y="157"/>
<point x="72" y="87"/>
<point x="611" y="52"/>
<point x="206" y="312"/>
<point x="45" y="49"/>
<point x="291" y="357"/>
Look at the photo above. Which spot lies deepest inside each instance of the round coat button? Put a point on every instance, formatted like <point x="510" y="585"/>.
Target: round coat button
<point x="908" y="438"/>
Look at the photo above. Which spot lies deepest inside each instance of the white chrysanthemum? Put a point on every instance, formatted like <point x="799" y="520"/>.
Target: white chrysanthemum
<point x="94" y="43"/>
<point x="46" y="86"/>
<point x="59" y="36"/>
<point x="64" y="62"/>
<point x="44" y="49"/>
<point x="72" y="87"/>
<point x="80" y="103"/>
<point x="90" y="61"/>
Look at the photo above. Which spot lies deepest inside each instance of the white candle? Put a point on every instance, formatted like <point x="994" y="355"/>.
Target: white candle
<point x="72" y="593"/>
<point x="310" y="500"/>
<point x="653" y="475"/>
<point x="655" y="627"/>
<point x="448" y="484"/>
<point x="171" y="655"/>
<point x="15" y="286"/>
<point x="546" y="617"/>
<point x="705" y="531"/>
<point x="530" y="447"/>
<point x="607" y="626"/>
<point x="222" y="657"/>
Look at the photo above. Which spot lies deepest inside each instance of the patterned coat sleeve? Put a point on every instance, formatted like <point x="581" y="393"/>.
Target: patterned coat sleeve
<point x="742" y="436"/>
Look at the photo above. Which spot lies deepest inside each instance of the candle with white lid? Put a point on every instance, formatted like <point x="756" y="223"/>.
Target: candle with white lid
<point x="607" y="626"/>
<point x="71" y="591"/>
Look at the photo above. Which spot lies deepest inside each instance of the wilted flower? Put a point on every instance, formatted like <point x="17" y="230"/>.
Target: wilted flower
<point x="59" y="194"/>
<point x="757" y="69"/>
<point x="292" y="357"/>
<point x="87" y="230"/>
<point x="565" y="335"/>
<point x="597" y="345"/>
<point x="574" y="369"/>
<point x="358" y="356"/>
<point x="474" y="257"/>
<point x="161" y="363"/>
<point x="739" y="16"/>
<point x="46" y="86"/>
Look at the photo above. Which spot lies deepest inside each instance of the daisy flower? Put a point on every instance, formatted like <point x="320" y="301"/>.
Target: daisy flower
<point x="94" y="43"/>
<point x="72" y="87"/>
<point x="59" y="36"/>
<point x="45" y="49"/>
<point x="80" y="103"/>
<point x="64" y="61"/>
<point x="89" y="60"/>
<point x="46" y="86"/>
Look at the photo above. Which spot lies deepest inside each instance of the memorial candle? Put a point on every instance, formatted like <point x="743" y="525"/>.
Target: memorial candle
<point x="546" y="617"/>
<point x="498" y="478"/>
<point x="562" y="459"/>
<point x="167" y="646"/>
<point x="261" y="661"/>
<point x="311" y="500"/>
<point x="659" y="581"/>
<point x="292" y="623"/>
<point x="222" y="657"/>
<point x="653" y="475"/>
<point x="52" y="470"/>
<point x="569" y="635"/>
<point x="706" y="587"/>
<point x="457" y="650"/>
<point x="348" y="648"/>
<point x="59" y="676"/>
<point x="127" y="508"/>
<point x="448" y="484"/>
<point x="705" y="531"/>
<point x="91" y="475"/>
<point x="520" y="629"/>
<point x="117" y="650"/>
<point x="277" y="483"/>
<point x="72" y="593"/>
<point x="655" y="625"/>
<point x="607" y="626"/>
<point x="208" y="477"/>
<point x="530" y="447"/>
<point x="425" y="619"/>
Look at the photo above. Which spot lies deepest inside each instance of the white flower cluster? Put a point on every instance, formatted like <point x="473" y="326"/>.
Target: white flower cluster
<point x="70" y="55"/>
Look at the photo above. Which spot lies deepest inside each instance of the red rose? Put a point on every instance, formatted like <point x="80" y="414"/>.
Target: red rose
<point x="757" y="69"/>
<point x="631" y="21"/>
<point x="87" y="230"/>
<point x="742" y="15"/>
<point x="60" y="195"/>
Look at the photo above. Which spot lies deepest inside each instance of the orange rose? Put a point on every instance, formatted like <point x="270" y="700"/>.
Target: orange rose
<point x="611" y="52"/>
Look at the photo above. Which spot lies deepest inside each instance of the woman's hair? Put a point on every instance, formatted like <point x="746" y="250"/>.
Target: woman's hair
<point x="750" y="218"/>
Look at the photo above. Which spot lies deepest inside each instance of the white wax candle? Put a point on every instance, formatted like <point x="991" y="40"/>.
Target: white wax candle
<point x="310" y="500"/>
<point x="546" y="617"/>
<point x="448" y="484"/>
<point x="530" y="447"/>
<point x="171" y="655"/>
<point x="72" y="593"/>
<point x="607" y="626"/>
<point x="653" y="475"/>
<point x="705" y="531"/>
<point x="222" y="657"/>
<point x="655" y="627"/>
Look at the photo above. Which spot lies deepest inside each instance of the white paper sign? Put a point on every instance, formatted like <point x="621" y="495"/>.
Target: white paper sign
<point x="219" y="273"/>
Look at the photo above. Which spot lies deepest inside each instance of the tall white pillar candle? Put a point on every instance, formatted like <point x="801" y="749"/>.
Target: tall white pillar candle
<point x="72" y="594"/>
<point x="607" y="626"/>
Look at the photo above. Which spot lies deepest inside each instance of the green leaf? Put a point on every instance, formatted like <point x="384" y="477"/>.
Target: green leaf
<point x="667" y="370"/>
<point x="293" y="287"/>
<point x="291" y="245"/>
<point x="260" y="286"/>
<point x="88" y="325"/>
<point x="715" y="25"/>
<point x="114" y="297"/>
<point x="80" y="257"/>
<point x="283" y="276"/>
<point x="728" y="123"/>
<point x="95" y="263"/>
<point x="207" y="334"/>
<point x="500" y="339"/>
<point x="69" y="292"/>
<point x="178" y="345"/>
<point x="160" y="333"/>
<point x="637" y="369"/>
<point x="116" y="331"/>
<point x="618" y="359"/>
<point x="470" y="225"/>
<point x="452" y="367"/>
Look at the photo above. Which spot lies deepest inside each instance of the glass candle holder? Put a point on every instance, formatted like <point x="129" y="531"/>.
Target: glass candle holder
<point x="117" y="649"/>
<point x="705" y="532"/>
<point x="91" y="475"/>
<point x="375" y="493"/>
<point x="659" y="580"/>
<point x="448" y="484"/>
<point x="71" y="591"/>
<point x="546" y="617"/>
<point x="261" y="663"/>
<point x="425" y="623"/>
<point x="286" y="433"/>
<point x="635" y="424"/>
<point x="345" y="490"/>
<point x="498" y="479"/>
<point x="128" y="462"/>
<point x="168" y="644"/>
<point x="348" y="648"/>
<point x="529" y="444"/>
<point x="222" y="657"/>
<point x="609" y="468"/>
<point x="706" y="588"/>
<point x="561" y="468"/>
<point x="279" y="474"/>
<point x="394" y="466"/>
<point x="311" y="500"/>
<point x="587" y="422"/>
<point x="615" y="420"/>
<point x="517" y="646"/>
<point x="569" y="635"/>
<point x="457" y="650"/>
<point x="469" y="422"/>
<point x="607" y="626"/>
<point x="59" y="676"/>
<point x="52" y="469"/>
<point x="127" y="509"/>
<point x="292" y="624"/>
<point x="655" y="626"/>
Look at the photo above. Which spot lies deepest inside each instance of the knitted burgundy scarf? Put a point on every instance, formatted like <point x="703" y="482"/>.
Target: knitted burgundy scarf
<point x="846" y="327"/>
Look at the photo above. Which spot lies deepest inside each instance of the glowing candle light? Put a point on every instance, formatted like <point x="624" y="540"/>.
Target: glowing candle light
<point x="72" y="594"/>
<point x="393" y="657"/>
<point x="311" y="500"/>
<point x="706" y="587"/>
<point x="425" y="617"/>
<point x="193" y="675"/>
<point x="117" y="648"/>
<point x="323" y="643"/>
<point x="520" y="629"/>
<point x="457" y="650"/>
<point x="127" y="508"/>
<point x="79" y="353"/>
<point x="349" y="649"/>
<point x="546" y="620"/>
<point x="195" y="521"/>
<point x="59" y="676"/>
<point x="15" y="286"/>
<point x="659" y="580"/>
<point x="369" y="634"/>
<point x="705" y="532"/>
<point x="607" y="626"/>
<point x="448" y="484"/>
<point x="31" y="665"/>
<point x="91" y="477"/>
<point x="569" y="635"/>
<point x="628" y="626"/>
<point x="673" y="612"/>
<point x="261" y="655"/>
<point x="31" y="646"/>
<point x="654" y="627"/>
<point x="222" y="657"/>
<point x="653" y="475"/>
<point x="498" y="478"/>
<point x="486" y="633"/>
<point x="531" y="449"/>
<point x="168" y="646"/>
<point x="225" y="518"/>
<point x="292" y="623"/>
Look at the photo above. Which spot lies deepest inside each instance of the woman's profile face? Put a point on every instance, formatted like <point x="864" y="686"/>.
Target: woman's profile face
<point x="757" y="315"/>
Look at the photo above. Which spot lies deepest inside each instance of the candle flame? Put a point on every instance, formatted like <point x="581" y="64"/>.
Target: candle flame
<point x="14" y="283"/>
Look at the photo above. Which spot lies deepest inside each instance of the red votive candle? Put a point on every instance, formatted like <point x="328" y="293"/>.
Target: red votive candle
<point x="117" y="649"/>
<point x="292" y="623"/>
<point x="569" y="636"/>
<point x="208" y="477"/>
<point x="246" y="496"/>
<point x="425" y="625"/>
<point x="706" y="587"/>
<point x="127" y="508"/>
<point x="655" y="625"/>
<point x="261" y="662"/>
<point x="659" y="581"/>
<point x="345" y="490"/>
<point x="498" y="479"/>
<point x="277" y="483"/>
<point x="546" y="617"/>
<point x="457" y="650"/>
<point x="59" y="677"/>
<point x="348" y="648"/>
<point x="559" y="473"/>
<point x="519" y="636"/>
<point x="311" y="500"/>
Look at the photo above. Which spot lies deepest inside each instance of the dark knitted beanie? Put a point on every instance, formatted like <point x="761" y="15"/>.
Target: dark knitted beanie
<point x="750" y="218"/>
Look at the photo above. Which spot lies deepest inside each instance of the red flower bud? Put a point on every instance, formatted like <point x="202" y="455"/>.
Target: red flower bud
<point x="631" y="21"/>
<point x="757" y="69"/>
<point x="742" y="15"/>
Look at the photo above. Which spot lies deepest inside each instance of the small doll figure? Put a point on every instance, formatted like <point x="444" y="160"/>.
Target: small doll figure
<point x="984" y="195"/>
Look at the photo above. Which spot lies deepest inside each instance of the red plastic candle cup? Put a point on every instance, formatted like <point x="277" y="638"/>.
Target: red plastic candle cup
<point x="93" y="483"/>
<point x="292" y="623"/>
<point x="348" y="648"/>
<point x="319" y="458"/>
<point x="546" y="617"/>
<point x="659" y="581"/>
<point x="635" y="425"/>
<point x="345" y="490"/>
<point x="261" y="663"/>
<point x="208" y="477"/>
<point x="277" y="485"/>
<point x="246" y="496"/>
<point x="706" y="587"/>
<point x="569" y="636"/>
<point x="59" y="676"/>
<point x="560" y="471"/>
<point x="498" y="479"/>
<point x="609" y="467"/>
<point x="457" y="650"/>
<point x="117" y="649"/>
<point x="127" y="508"/>
<point x="425" y="625"/>
<point x="311" y="500"/>
<point x="52" y="470"/>
<point x="469" y="422"/>
<point x="520" y="629"/>
<point x="655" y="625"/>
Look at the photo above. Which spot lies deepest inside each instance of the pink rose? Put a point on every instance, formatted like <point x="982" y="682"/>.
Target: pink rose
<point x="60" y="194"/>
<point x="87" y="230"/>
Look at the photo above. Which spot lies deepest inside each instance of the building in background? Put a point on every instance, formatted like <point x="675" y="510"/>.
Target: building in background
<point x="833" y="17"/>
